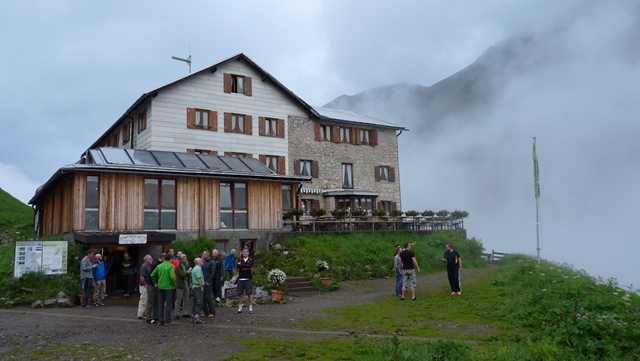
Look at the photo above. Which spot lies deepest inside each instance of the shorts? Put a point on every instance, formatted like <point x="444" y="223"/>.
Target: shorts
<point x="409" y="278"/>
<point x="245" y="287"/>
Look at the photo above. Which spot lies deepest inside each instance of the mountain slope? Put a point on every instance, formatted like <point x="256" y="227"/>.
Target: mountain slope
<point x="456" y="98"/>
<point x="15" y="215"/>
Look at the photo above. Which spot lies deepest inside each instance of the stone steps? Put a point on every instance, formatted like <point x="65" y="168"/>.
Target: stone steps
<point x="299" y="285"/>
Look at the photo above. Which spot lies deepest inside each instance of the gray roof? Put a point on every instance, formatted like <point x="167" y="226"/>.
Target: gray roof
<point x="162" y="163"/>
<point x="351" y="117"/>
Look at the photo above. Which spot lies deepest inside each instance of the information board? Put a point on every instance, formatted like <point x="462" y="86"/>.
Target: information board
<point x="49" y="257"/>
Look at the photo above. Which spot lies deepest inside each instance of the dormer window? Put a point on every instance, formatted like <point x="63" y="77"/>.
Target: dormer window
<point x="239" y="84"/>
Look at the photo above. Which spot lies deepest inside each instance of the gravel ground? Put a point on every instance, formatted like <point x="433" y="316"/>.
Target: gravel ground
<point x="115" y="328"/>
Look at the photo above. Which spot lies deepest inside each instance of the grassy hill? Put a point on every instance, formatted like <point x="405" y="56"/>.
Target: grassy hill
<point x="16" y="218"/>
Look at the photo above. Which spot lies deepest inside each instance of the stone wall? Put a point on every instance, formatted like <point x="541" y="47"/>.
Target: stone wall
<point x="330" y="156"/>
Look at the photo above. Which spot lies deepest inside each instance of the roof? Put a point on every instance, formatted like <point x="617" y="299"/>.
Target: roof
<point x="351" y="117"/>
<point x="162" y="163"/>
<point x="317" y="112"/>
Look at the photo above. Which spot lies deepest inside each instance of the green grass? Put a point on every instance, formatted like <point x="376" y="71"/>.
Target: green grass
<point x="15" y="217"/>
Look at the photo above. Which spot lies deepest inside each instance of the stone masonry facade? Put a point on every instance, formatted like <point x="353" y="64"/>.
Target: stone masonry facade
<point x="330" y="157"/>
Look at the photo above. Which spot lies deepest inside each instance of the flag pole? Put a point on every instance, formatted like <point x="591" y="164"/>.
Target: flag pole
<point x="536" y="175"/>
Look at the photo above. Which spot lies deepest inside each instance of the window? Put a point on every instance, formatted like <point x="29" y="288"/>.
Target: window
<point x="271" y="127"/>
<point x="343" y="202"/>
<point x="221" y="245"/>
<point x="323" y="132"/>
<point x="385" y="173"/>
<point x="91" y="203"/>
<point x="386" y="206"/>
<point x="345" y="135"/>
<point x="238" y="84"/>
<point x="159" y="204"/>
<point x="126" y="133"/>
<point x="307" y="168"/>
<point x="202" y="151"/>
<point x="347" y="175"/>
<point x="287" y="198"/>
<point x="202" y="119"/>
<point x="273" y="162"/>
<point x="142" y="121"/>
<point x="237" y="123"/>
<point x="365" y="203"/>
<point x="307" y="205"/>
<point x="113" y="141"/>
<point x="233" y="205"/>
<point x="365" y="136"/>
<point x="238" y="154"/>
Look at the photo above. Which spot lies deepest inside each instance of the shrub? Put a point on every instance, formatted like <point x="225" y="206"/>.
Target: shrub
<point x="396" y="213"/>
<point x="340" y="212"/>
<point x="277" y="278"/>
<point x="443" y="213"/>
<point x="317" y="212"/>
<point x="429" y="213"/>
<point x="412" y="213"/>
<point x="359" y="212"/>
<point x="379" y="212"/>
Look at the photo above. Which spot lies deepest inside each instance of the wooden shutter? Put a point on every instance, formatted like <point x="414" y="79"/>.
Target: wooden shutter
<point x="228" y="154"/>
<point x="376" y="171"/>
<point x="356" y="139"/>
<point x="248" y="124"/>
<point x="191" y="150"/>
<point x="261" y="126"/>
<point x="392" y="174"/>
<point x="213" y="120"/>
<point x="317" y="130"/>
<point x="379" y="206"/>
<point x="335" y="134"/>
<point x="315" y="169"/>
<point x="352" y="136"/>
<point x="316" y="204"/>
<point x="280" y="128"/>
<point x="247" y="86"/>
<point x="296" y="167"/>
<point x="227" y="122"/>
<point x="263" y="159"/>
<point x="248" y="155"/>
<point x="394" y="206"/>
<point x="227" y="83"/>
<point x="281" y="165"/>
<point x="191" y="118"/>
<point x="373" y="137"/>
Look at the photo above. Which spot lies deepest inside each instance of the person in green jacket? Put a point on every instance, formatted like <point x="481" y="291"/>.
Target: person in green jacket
<point x="164" y="278"/>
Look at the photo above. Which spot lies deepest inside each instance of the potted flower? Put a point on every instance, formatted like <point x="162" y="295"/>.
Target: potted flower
<point x="443" y="213"/>
<point x="276" y="278"/>
<point x="321" y="268"/>
<point x="429" y="213"/>
<point x="458" y="214"/>
<point x="412" y="213"/>
<point x="379" y="212"/>
<point x="396" y="213"/>
<point x="339" y="212"/>
<point x="296" y="212"/>
<point x="359" y="212"/>
<point x="317" y="212"/>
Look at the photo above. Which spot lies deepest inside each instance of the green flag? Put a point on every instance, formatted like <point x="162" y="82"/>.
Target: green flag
<point x="536" y="171"/>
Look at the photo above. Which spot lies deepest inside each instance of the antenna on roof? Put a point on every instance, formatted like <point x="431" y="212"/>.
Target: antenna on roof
<point x="187" y="60"/>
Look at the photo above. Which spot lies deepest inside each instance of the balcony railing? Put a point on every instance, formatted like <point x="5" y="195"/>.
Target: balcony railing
<point x="367" y="223"/>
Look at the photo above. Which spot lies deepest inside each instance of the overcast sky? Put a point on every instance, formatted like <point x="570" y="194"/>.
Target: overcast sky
<point x="71" y="68"/>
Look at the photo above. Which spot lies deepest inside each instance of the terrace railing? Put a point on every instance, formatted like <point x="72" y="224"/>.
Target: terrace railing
<point x="367" y="223"/>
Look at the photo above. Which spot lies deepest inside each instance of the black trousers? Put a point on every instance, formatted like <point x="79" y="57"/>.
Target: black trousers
<point x="208" y="306"/>
<point x="454" y="278"/>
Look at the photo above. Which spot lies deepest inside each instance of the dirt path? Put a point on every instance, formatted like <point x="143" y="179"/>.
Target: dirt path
<point x="116" y="326"/>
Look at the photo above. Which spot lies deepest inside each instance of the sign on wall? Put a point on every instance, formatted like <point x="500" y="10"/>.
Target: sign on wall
<point x="49" y="257"/>
<point x="132" y="239"/>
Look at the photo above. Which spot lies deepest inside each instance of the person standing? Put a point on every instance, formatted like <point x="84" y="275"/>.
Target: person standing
<point x="245" y="281"/>
<point x="209" y="272"/>
<point x="164" y="278"/>
<point x="409" y="267"/>
<point x="127" y="274"/>
<point x="145" y="274"/>
<point x="86" y="277"/>
<point x="229" y="265"/>
<point x="217" y="286"/>
<point x="183" y="281"/>
<point x="454" y="266"/>
<point x="99" y="281"/>
<point x="397" y="265"/>
<point x="197" y="284"/>
<point x="152" y="293"/>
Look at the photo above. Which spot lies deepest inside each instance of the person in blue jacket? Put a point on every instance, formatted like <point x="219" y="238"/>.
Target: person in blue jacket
<point x="99" y="281"/>
<point x="229" y="265"/>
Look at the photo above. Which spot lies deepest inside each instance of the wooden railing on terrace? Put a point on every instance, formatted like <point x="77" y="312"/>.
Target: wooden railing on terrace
<point x="368" y="223"/>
